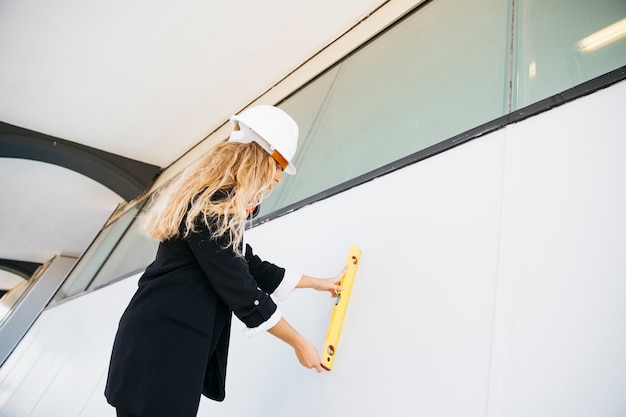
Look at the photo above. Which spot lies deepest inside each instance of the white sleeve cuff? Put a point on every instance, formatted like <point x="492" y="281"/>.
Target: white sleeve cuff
<point x="266" y="325"/>
<point x="286" y="287"/>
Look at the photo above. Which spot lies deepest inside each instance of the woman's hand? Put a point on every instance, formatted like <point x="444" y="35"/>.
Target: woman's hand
<point x="308" y="355"/>
<point x="306" y="352"/>
<point x="332" y="285"/>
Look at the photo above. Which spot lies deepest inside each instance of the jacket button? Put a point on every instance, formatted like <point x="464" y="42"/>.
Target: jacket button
<point x="256" y="302"/>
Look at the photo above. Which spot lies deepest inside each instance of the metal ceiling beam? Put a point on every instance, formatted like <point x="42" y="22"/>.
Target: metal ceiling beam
<point x="126" y="177"/>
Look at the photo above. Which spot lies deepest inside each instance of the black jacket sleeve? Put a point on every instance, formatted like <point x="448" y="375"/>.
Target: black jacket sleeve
<point x="268" y="275"/>
<point x="232" y="280"/>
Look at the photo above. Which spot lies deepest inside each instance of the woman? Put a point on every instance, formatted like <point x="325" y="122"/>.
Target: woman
<point x="172" y="341"/>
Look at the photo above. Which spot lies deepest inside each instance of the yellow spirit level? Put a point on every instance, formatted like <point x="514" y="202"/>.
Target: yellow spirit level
<point x="339" y="311"/>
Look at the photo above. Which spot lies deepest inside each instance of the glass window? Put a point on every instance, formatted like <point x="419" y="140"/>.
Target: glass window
<point x="133" y="253"/>
<point x="438" y="73"/>
<point x="93" y="258"/>
<point x="560" y="44"/>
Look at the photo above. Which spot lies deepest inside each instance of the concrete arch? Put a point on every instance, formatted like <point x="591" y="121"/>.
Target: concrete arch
<point x="126" y="177"/>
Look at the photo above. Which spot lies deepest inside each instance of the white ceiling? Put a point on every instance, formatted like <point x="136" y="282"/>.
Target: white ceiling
<point x="143" y="79"/>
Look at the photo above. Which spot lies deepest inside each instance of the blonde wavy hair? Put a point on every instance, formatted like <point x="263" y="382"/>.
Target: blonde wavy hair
<point x="216" y="190"/>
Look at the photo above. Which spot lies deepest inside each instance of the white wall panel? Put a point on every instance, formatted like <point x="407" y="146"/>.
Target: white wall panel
<point x="56" y="372"/>
<point x="561" y="341"/>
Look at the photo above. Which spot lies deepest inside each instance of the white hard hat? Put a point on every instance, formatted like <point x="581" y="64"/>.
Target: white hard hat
<point x="271" y="128"/>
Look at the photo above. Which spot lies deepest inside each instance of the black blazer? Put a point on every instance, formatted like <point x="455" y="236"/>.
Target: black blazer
<point x="172" y="340"/>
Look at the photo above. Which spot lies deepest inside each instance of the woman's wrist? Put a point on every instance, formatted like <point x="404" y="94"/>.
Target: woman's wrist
<point x="306" y="282"/>
<point x="285" y="332"/>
